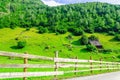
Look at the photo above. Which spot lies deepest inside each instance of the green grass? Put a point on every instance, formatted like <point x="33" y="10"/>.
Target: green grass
<point x="36" y="44"/>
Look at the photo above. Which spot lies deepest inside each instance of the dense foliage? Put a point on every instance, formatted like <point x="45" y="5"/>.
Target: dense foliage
<point x="117" y="37"/>
<point x="93" y="37"/>
<point x="21" y="44"/>
<point x="84" y="40"/>
<point x="86" y="17"/>
<point x="91" y="47"/>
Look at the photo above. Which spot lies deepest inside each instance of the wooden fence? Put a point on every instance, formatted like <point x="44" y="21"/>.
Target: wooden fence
<point x="76" y="63"/>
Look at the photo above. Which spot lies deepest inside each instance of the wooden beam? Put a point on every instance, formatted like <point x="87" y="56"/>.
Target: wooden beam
<point x="21" y="55"/>
<point x="29" y="74"/>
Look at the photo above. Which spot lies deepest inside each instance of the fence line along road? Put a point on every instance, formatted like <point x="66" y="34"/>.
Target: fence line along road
<point x="57" y="63"/>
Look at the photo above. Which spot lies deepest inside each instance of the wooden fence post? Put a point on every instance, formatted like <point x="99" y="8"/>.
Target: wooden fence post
<point x="113" y="65"/>
<point x="100" y="64"/>
<point x="25" y="68"/>
<point x="56" y="66"/>
<point x="91" y="64"/>
<point x="107" y="66"/>
<point x="76" y="66"/>
<point x="118" y="65"/>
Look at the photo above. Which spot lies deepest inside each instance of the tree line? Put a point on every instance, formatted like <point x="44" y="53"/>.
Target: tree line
<point x="75" y="18"/>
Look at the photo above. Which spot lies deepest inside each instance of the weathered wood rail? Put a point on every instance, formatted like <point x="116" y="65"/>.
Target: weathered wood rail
<point x="58" y="63"/>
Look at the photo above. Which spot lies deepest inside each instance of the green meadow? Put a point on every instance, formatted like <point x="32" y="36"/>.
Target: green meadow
<point x="37" y="43"/>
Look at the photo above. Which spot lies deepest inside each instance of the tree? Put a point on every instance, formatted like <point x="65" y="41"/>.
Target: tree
<point x="78" y="31"/>
<point x="91" y="47"/>
<point x="93" y="37"/>
<point x="42" y="30"/>
<point x="84" y="40"/>
<point x="21" y="44"/>
<point x="61" y="30"/>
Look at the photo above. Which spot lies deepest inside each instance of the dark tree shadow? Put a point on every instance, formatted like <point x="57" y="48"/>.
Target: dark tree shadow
<point x="14" y="47"/>
<point x="84" y="50"/>
<point x="112" y="40"/>
<point x="76" y="43"/>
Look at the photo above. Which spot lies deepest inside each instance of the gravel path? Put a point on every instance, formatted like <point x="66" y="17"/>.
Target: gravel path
<point x="106" y="76"/>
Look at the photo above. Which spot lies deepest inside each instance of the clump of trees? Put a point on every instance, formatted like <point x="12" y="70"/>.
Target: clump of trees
<point x="84" y="40"/>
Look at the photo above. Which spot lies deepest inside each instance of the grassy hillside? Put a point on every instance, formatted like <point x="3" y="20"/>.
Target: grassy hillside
<point x="46" y="44"/>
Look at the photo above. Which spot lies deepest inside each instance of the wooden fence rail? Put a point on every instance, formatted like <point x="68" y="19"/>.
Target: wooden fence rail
<point x="21" y="55"/>
<point x="28" y="74"/>
<point x="76" y="63"/>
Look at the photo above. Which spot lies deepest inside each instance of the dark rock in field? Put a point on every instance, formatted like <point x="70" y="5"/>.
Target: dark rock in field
<point x="54" y="47"/>
<point x="11" y="58"/>
<point x="61" y="50"/>
<point x="47" y="47"/>
<point x="113" y="57"/>
<point x="16" y="38"/>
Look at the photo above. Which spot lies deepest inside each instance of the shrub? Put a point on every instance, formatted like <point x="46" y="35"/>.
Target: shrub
<point x="71" y="29"/>
<point x="118" y="56"/>
<point x="84" y="40"/>
<point x="91" y="47"/>
<point x="78" y="31"/>
<point x="93" y="37"/>
<point x="119" y="31"/>
<point x="27" y="29"/>
<point x="57" y="33"/>
<point x="117" y="37"/>
<point x="42" y="30"/>
<point x="69" y="37"/>
<point x="21" y="44"/>
<point x="90" y="30"/>
<point x="62" y="30"/>
<point x="111" y="33"/>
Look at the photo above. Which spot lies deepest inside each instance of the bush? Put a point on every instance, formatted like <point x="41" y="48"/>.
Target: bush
<point x="84" y="40"/>
<point x="28" y="29"/>
<point x="78" y="31"/>
<point x="69" y="37"/>
<point x="118" y="56"/>
<point x="42" y="30"/>
<point x="91" y="47"/>
<point x="117" y="37"/>
<point x="62" y="30"/>
<point x="90" y="30"/>
<point x="57" y="33"/>
<point x="93" y="37"/>
<point x="111" y="33"/>
<point x="21" y="44"/>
